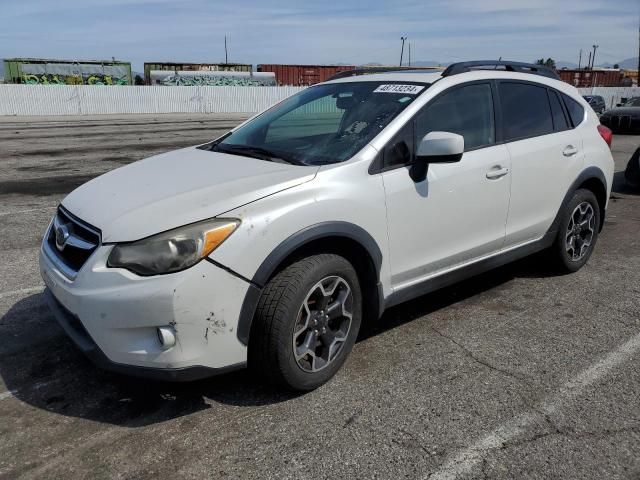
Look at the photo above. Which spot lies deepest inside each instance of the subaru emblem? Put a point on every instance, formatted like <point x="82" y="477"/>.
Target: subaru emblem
<point x="62" y="235"/>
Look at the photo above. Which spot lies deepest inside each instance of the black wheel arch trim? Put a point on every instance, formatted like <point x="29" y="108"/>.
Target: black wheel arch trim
<point x="587" y="174"/>
<point x="286" y="248"/>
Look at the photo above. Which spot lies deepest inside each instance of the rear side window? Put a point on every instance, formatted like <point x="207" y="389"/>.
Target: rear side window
<point x="559" y="119"/>
<point x="576" y="112"/>
<point x="467" y="111"/>
<point x="525" y="110"/>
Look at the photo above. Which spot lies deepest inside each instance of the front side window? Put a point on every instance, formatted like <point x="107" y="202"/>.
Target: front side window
<point x="525" y="110"/>
<point x="399" y="151"/>
<point x="467" y="111"/>
<point x="323" y="124"/>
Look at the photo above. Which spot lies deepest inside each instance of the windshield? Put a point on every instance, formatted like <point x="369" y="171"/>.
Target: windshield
<point x="323" y="124"/>
<point x="634" y="102"/>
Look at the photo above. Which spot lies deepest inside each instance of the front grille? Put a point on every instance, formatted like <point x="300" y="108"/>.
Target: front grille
<point x="70" y="242"/>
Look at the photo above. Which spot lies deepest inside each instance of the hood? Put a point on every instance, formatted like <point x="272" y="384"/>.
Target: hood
<point x="177" y="188"/>
<point x="635" y="111"/>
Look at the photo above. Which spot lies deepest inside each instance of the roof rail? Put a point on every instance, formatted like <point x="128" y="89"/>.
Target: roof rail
<point x="371" y="70"/>
<point x="520" y="67"/>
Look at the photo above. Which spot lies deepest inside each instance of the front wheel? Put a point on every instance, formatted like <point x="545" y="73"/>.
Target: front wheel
<point x="306" y="322"/>
<point x="578" y="231"/>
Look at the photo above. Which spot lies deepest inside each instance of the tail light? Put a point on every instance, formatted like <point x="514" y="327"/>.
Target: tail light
<point x="606" y="134"/>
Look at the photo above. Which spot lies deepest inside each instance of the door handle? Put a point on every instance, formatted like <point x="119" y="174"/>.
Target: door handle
<point x="569" y="150"/>
<point x="497" y="172"/>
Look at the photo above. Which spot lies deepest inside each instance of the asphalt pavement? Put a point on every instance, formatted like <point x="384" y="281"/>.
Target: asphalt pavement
<point x="519" y="373"/>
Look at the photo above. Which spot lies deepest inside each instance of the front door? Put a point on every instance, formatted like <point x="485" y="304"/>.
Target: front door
<point x="458" y="213"/>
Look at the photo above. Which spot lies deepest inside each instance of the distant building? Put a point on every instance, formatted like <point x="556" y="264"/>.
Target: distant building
<point x="44" y="71"/>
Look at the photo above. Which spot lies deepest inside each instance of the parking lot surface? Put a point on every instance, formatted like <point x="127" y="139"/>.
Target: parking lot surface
<point x="519" y="373"/>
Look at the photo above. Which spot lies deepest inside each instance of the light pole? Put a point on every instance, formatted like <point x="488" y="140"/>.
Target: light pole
<point x="593" y="58"/>
<point x="402" y="49"/>
<point x="580" y="59"/>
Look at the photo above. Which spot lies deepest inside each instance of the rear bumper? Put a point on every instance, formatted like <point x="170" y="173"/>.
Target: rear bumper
<point x="79" y="335"/>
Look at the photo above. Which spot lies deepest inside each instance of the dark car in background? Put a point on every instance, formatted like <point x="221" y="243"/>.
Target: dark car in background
<point x="632" y="172"/>
<point x="623" y="118"/>
<point x="596" y="102"/>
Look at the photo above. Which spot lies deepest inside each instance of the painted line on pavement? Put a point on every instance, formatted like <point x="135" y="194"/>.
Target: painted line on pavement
<point x="463" y="462"/>
<point x="22" y="291"/>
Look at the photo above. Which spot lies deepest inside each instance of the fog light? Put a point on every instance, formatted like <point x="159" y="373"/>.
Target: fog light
<point x="166" y="337"/>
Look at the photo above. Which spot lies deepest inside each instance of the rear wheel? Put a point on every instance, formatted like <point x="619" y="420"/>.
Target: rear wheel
<point x="306" y="322"/>
<point x="578" y="231"/>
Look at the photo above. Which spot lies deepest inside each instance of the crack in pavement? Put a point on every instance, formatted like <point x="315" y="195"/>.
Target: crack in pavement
<point x="482" y="362"/>
<point x="573" y="435"/>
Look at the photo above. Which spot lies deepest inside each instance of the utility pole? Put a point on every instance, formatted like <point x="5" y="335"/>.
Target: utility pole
<point x="402" y="49"/>
<point x="226" y="56"/>
<point x="580" y="59"/>
<point x="409" y="53"/>
<point x="588" y="62"/>
<point x="593" y="59"/>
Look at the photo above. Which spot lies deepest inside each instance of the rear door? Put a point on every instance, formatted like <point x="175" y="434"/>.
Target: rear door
<point x="546" y="155"/>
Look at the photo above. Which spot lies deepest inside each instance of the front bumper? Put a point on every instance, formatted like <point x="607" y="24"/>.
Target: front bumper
<point x="113" y="316"/>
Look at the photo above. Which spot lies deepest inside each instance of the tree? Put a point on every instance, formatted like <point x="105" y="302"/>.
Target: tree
<point x="549" y="62"/>
<point x="139" y="80"/>
<point x="616" y="66"/>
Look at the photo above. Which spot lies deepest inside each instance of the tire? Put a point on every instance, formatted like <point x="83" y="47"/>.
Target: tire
<point x="276" y="346"/>
<point x="581" y="221"/>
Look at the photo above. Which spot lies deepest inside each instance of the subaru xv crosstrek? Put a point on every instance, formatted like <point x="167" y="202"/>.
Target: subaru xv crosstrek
<point x="272" y="245"/>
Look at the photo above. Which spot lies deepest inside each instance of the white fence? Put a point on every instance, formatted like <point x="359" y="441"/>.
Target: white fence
<point x="611" y="95"/>
<point x="96" y="100"/>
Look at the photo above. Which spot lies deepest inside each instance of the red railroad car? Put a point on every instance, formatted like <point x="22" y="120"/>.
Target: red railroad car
<point x="301" y="75"/>
<point x="592" y="78"/>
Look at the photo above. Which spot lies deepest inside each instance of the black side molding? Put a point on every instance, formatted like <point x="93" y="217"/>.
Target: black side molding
<point x="441" y="281"/>
<point x="282" y="251"/>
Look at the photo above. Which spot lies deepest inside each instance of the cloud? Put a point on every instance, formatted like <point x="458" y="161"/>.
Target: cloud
<point x="282" y="31"/>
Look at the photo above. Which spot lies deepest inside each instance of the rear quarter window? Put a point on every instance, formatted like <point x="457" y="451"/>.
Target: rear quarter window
<point x="576" y="111"/>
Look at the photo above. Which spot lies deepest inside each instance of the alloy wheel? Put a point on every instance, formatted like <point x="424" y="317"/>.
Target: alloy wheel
<point x="323" y="324"/>
<point x="580" y="231"/>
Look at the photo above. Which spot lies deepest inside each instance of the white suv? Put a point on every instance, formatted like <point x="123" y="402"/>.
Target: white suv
<point x="271" y="245"/>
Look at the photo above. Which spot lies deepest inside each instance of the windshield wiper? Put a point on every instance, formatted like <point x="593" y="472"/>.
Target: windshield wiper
<point x="255" y="152"/>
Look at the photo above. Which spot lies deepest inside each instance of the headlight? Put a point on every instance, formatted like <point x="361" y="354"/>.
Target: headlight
<point x="174" y="250"/>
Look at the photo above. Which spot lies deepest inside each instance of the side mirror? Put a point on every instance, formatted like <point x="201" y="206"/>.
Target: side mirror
<point x="436" y="147"/>
<point x="618" y="104"/>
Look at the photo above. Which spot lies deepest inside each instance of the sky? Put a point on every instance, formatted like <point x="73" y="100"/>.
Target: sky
<point x="345" y="31"/>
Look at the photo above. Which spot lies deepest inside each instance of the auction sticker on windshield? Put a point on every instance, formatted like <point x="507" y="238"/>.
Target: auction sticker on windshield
<point x="410" y="89"/>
